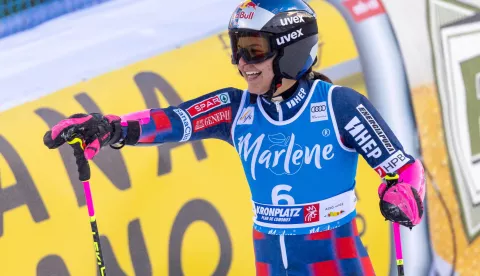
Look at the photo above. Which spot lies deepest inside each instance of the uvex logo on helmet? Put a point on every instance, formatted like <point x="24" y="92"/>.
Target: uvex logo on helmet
<point x="289" y="37"/>
<point x="292" y="20"/>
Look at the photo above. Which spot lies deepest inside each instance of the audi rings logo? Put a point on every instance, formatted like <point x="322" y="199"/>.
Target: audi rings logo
<point x="318" y="112"/>
<point x="317" y="108"/>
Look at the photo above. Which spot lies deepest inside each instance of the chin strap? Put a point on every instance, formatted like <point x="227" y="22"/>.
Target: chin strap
<point x="277" y="78"/>
<point x="276" y="83"/>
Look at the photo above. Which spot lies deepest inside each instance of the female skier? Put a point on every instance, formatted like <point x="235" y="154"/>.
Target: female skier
<point x="297" y="135"/>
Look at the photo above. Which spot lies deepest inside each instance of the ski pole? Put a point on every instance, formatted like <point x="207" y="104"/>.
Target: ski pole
<point x="392" y="179"/>
<point x="398" y="248"/>
<point x="84" y="176"/>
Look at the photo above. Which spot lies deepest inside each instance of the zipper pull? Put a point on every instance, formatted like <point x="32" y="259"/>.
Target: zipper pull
<point x="277" y="104"/>
<point x="279" y="110"/>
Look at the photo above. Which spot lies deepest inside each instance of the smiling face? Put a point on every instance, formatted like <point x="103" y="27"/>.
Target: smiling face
<point x="259" y="75"/>
<point x="259" y="71"/>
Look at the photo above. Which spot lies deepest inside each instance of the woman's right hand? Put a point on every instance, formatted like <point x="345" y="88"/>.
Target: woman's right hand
<point x="94" y="129"/>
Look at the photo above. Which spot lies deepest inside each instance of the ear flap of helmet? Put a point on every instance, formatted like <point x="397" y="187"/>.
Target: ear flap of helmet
<point x="298" y="58"/>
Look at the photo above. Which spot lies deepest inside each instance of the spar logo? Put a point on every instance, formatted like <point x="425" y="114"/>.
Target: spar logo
<point x="280" y="154"/>
<point x="208" y="104"/>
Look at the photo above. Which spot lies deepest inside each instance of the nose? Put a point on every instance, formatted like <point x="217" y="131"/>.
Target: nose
<point x="241" y="62"/>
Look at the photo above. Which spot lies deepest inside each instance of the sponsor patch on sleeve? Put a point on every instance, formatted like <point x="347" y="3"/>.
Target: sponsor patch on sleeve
<point x="392" y="164"/>
<point x="223" y="115"/>
<point x="363" y="138"/>
<point x="376" y="128"/>
<point x="187" y="125"/>
<point x="208" y="104"/>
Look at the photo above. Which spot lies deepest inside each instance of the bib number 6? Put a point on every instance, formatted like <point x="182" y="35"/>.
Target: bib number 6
<point x="277" y="197"/>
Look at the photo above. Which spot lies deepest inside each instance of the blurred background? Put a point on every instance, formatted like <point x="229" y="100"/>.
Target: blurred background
<point x="184" y="209"/>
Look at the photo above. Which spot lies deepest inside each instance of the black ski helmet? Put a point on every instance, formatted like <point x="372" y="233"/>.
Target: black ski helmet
<point x="289" y="31"/>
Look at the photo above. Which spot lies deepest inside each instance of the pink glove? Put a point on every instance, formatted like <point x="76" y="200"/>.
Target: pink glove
<point x="94" y="129"/>
<point x="403" y="202"/>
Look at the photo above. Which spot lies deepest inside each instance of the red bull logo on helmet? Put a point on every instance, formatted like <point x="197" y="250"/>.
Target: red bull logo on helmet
<point x="249" y="14"/>
<point x="250" y="8"/>
<point x="248" y="4"/>
<point x="244" y="15"/>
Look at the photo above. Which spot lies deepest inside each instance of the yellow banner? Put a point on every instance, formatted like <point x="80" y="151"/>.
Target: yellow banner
<point x="160" y="210"/>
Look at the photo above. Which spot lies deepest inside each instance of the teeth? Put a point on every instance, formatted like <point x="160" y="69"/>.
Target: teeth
<point x="252" y="73"/>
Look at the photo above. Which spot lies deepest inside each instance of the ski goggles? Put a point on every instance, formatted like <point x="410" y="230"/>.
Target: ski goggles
<point x="252" y="46"/>
<point x="256" y="46"/>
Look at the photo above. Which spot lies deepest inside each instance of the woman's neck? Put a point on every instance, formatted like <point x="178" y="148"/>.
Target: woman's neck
<point x="286" y="84"/>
